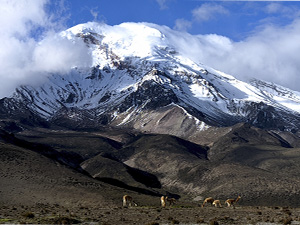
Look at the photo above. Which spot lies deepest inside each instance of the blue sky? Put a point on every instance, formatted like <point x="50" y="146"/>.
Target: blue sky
<point x="246" y="39"/>
<point x="233" y="19"/>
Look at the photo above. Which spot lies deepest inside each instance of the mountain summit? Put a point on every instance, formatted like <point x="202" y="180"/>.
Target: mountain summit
<point x="146" y="119"/>
<point x="143" y="78"/>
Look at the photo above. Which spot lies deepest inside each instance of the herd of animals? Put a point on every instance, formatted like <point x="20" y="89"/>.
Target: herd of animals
<point x="128" y="201"/>
<point x="217" y="203"/>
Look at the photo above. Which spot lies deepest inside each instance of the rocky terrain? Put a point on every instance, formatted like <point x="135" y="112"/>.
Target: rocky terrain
<point x="147" y="122"/>
<point x="142" y="79"/>
<point x="149" y="215"/>
<point x="58" y="174"/>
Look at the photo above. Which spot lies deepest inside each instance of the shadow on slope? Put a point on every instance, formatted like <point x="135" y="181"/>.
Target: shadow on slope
<point x="71" y="159"/>
<point x="167" y="143"/>
<point x="29" y="178"/>
<point x="171" y="159"/>
<point x="105" y="167"/>
<point x="231" y="146"/>
<point x="88" y="153"/>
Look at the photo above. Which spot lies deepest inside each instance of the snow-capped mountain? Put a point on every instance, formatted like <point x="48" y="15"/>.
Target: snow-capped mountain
<point x="142" y="78"/>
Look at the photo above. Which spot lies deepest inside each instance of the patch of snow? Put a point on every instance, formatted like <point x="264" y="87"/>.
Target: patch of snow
<point x="127" y="54"/>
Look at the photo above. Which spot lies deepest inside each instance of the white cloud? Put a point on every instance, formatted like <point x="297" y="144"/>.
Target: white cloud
<point x="271" y="54"/>
<point x="57" y="55"/>
<point x="273" y="7"/>
<point x="162" y="4"/>
<point x="182" y="24"/>
<point x="208" y="11"/>
<point x="205" y="12"/>
<point x="17" y="16"/>
<point x="94" y="12"/>
<point x="23" y="58"/>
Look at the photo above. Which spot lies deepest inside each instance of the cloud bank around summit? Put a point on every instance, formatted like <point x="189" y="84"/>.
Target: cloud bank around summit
<point x="270" y="54"/>
<point x="30" y="47"/>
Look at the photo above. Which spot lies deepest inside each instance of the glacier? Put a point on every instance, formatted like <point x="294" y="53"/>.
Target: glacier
<point x="141" y="76"/>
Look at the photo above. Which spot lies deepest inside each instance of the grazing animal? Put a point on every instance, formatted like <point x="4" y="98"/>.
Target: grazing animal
<point x="163" y="201"/>
<point x="128" y="200"/>
<point x="208" y="200"/>
<point x="171" y="201"/>
<point x="231" y="201"/>
<point x="217" y="203"/>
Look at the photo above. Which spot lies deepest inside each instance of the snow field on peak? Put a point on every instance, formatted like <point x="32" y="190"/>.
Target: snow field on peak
<point x="279" y="94"/>
<point x="128" y="53"/>
<point x="126" y="39"/>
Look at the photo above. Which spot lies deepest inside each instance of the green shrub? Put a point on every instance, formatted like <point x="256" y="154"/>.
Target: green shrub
<point x="29" y="215"/>
<point x="175" y="221"/>
<point x="64" y="220"/>
<point x="287" y="221"/>
<point x="153" y="223"/>
<point x="200" y="220"/>
<point x="213" y="222"/>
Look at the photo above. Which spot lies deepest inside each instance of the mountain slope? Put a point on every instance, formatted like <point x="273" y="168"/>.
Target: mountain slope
<point x="30" y="178"/>
<point x="257" y="165"/>
<point x="146" y="119"/>
<point x="141" y="78"/>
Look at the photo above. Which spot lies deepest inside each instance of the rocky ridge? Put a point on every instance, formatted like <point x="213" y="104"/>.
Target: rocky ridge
<point x="141" y="80"/>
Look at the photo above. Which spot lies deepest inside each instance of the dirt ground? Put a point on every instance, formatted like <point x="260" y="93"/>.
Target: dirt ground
<point x="35" y="189"/>
<point x="56" y="214"/>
